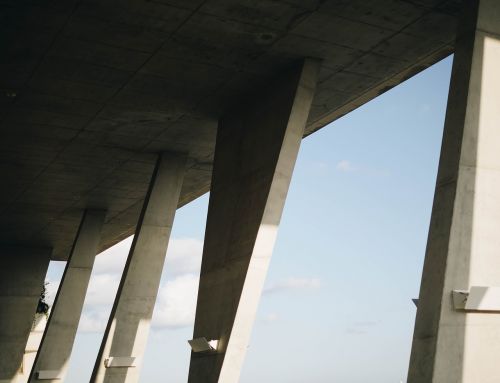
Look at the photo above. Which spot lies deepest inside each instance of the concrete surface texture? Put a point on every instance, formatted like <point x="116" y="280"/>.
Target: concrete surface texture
<point x="21" y="280"/>
<point x="30" y="352"/>
<point x="451" y="345"/>
<point x="257" y="145"/>
<point x="128" y="327"/>
<point x="92" y="90"/>
<point x="55" y="349"/>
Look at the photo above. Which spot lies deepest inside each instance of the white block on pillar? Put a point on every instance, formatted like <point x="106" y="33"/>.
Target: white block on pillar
<point x="119" y="361"/>
<point x="478" y="298"/>
<point x="48" y="375"/>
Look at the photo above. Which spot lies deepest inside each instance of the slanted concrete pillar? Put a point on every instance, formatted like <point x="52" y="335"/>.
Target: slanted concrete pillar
<point x="463" y="249"/>
<point x="124" y="342"/>
<point x="257" y="145"/>
<point x="22" y="274"/>
<point x="53" y="355"/>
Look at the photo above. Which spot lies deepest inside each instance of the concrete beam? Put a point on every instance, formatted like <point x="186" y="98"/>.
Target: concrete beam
<point x="451" y="345"/>
<point x="124" y="342"/>
<point x="257" y="145"/>
<point x="22" y="274"/>
<point x="57" y="342"/>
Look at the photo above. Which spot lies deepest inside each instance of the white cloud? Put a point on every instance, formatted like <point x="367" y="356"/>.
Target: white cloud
<point x="345" y="166"/>
<point x="176" y="303"/>
<point x="175" y="306"/>
<point x="102" y="289"/>
<point x="51" y="291"/>
<point x="113" y="260"/>
<point x="99" y="301"/>
<point x="271" y="317"/>
<point x="293" y="283"/>
<point x="184" y="255"/>
<point x="94" y="320"/>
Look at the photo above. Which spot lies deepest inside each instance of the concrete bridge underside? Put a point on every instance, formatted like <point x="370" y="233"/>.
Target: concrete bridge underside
<point x="116" y="112"/>
<point x="92" y="90"/>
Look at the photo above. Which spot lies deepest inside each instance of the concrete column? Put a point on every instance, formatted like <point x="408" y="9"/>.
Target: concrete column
<point x="463" y="249"/>
<point x="53" y="355"/>
<point x="257" y="145"/>
<point x="124" y="342"/>
<point x="22" y="274"/>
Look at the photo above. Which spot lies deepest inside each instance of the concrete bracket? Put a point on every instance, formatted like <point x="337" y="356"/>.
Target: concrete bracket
<point x="119" y="361"/>
<point x="459" y="299"/>
<point x="48" y="375"/>
<point x="477" y="299"/>
<point x="203" y="345"/>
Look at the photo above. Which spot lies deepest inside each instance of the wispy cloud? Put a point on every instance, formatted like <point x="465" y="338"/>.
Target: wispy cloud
<point x="366" y="323"/>
<point x="293" y="283"/>
<point x="355" y="331"/>
<point x="319" y="168"/>
<point x="270" y="318"/>
<point x="345" y="166"/>
<point x="361" y="327"/>
<point x="425" y="108"/>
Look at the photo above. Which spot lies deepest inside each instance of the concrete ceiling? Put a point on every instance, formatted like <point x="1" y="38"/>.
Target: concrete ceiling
<point x="92" y="89"/>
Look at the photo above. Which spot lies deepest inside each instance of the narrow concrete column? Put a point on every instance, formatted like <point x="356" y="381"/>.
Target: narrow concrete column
<point x="463" y="249"/>
<point x="54" y="352"/>
<point x="257" y="145"/>
<point x="22" y="274"/>
<point x="124" y="342"/>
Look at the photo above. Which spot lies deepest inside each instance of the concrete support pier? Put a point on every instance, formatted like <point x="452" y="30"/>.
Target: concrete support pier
<point x="453" y="345"/>
<point x="54" y="352"/>
<point x="124" y="342"/>
<point x="257" y="145"/>
<point x="22" y="274"/>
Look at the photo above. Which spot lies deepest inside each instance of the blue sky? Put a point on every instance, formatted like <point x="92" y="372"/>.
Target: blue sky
<point x="348" y="258"/>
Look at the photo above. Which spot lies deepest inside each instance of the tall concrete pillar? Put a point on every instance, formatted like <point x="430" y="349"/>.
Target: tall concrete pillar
<point x="22" y="274"/>
<point x="124" y="342"/>
<point x="53" y="355"/>
<point x="463" y="250"/>
<point x="257" y="145"/>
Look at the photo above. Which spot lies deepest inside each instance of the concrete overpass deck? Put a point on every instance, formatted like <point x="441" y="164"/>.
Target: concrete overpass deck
<point x="92" y="90"/>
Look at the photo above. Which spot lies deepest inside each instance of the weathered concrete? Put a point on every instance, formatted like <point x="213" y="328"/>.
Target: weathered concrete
<point x="57" y="342"/>
<point x="452" y="346"/>
<point x="22" y="274"/>
<point x="257" y="145"/>
<point x="128" y="327"/>
<point x="31" y="350"/>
